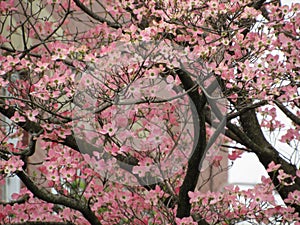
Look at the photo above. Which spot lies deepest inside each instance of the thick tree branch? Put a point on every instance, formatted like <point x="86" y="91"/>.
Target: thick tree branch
<point x="193" y="171"/>
<point x="254" y="139"/>
<point x="44" y="195"/>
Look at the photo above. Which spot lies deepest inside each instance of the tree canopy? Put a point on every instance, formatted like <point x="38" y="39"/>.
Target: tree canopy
<point x="125" y="102"/>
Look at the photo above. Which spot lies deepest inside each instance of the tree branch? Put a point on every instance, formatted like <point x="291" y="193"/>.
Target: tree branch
<point x="193" y="171"/>
<point x="20" y="200"/>
<point x="95" y="16"/>
<point x="287" y="112"/>
<point x="245" y="109"/>
<point x="44" y="195"/>
<point x="254" y="139"/>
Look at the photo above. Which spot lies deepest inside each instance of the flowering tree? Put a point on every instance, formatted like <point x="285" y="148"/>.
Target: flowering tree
<point x="125" y="99"/>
